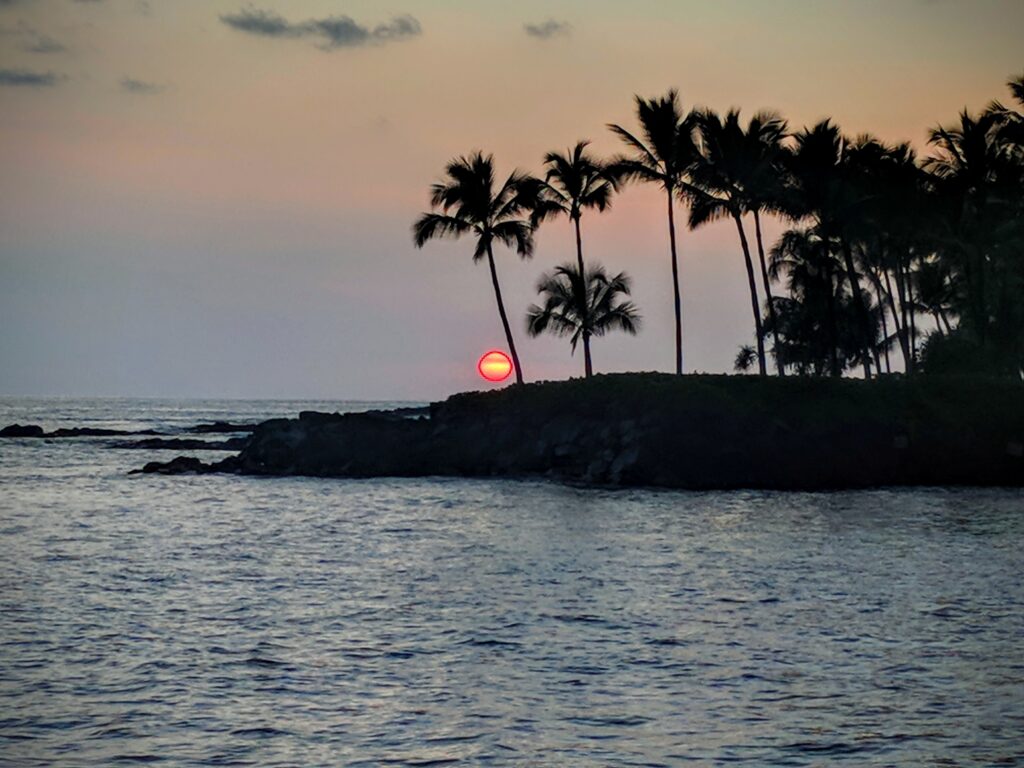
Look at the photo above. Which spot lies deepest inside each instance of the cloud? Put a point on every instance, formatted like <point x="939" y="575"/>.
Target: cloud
<point x="26" y="78"/>
<point x="548" y="29"/>
<point x="141" y="87"/>
<point x="31" y="40"/>
<point x="40" y="43"/>
<point x="332" y="31"/>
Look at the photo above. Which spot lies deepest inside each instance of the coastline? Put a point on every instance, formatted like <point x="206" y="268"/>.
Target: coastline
<point x="692" y="432"/>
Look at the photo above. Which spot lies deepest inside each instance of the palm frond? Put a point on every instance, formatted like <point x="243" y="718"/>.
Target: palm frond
<point x="437" y="225"/>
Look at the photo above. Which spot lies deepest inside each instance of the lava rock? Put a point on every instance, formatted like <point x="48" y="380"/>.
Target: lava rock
<point x="18" y="430"/>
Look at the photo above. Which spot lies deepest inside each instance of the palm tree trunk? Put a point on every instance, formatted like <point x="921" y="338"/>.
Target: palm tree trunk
<point x="768" y="291"/>
<point x="579" y="249"/>
<point x="588" y="366"/>
<point x="900" y="330"/>
<point x="945" y="319"/>
<point x="858" y="302"/>
<point x="885" y="337"/>
<point x="504" y="317"/>
<point x="675" y="284"/>
<point x="876" y="281"/>
<point x="756" y="306"/>
<point x="833" y="330"/>
<point x="909" y="287"/>
<point x="905" y="312"/>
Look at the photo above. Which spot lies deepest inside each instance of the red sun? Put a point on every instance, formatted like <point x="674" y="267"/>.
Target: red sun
<point x="495" y="366"/>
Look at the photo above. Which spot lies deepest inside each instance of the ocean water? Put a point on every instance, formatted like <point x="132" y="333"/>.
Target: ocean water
<point x="221" y="620"/>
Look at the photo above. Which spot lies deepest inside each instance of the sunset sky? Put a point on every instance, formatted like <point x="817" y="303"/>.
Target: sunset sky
<point x="214" y="198"/>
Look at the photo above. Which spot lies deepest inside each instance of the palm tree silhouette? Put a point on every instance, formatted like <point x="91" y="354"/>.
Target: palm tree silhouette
<point x="664" y="156"/>
<point x="573" y="181"/>
<point x="813" y="318"/>
<point x="719" y="180"/>
<point x="765" y="191"/>
<point x="581" y="305"/>
<point x="824" y="193"/>
<point x="470" y="205"/>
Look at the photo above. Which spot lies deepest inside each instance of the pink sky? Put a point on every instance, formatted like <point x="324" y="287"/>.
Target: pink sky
<point x="191" y="209"/>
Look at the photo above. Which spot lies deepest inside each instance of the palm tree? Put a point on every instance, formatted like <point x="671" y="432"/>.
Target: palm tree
<point x="467" y="203"/>
<point x="1012" y="130"/>
<point x="717" y="190"/>
<point x="815" y="320"/>
<point x="976" y="174"/>
<point x="765" y="191"/>
<point x="574" y="181"/>
<point x="822" y="191"/>
<point x="581" y="305"/>
<point x="663" y="156"/>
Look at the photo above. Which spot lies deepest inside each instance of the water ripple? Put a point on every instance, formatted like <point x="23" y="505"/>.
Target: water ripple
<point x="240" y="621"/>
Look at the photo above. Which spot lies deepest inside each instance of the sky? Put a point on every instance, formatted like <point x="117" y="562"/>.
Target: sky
<point x="213" y="198"/>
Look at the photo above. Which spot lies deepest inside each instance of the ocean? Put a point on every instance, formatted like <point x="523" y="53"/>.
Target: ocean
<point x="224" y="620"/>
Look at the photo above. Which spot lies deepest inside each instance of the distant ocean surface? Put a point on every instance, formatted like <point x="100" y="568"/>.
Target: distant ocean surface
<point x="222" y="620"/>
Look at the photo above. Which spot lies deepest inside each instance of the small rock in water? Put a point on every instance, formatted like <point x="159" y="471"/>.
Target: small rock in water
<point x="18" y="430"/>
<point x="179" y="466"/>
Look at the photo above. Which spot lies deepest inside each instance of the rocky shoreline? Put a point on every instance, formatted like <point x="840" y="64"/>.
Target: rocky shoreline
<point x="699" y="432"/>
<point x="151" y="439"/>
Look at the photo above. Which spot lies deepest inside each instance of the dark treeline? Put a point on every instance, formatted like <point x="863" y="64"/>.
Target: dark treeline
<point x="891" y="262"/>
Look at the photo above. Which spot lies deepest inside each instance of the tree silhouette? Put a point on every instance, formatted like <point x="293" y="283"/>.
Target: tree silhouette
<point x="765" y="190"/>
<point x="719" y="179"/>
<point x="823" y="192"/>
<point x="582" y="305"/>
<point x="664" y="156"/>
<point x="573" y="182"/>
<point x="467" y="202"/>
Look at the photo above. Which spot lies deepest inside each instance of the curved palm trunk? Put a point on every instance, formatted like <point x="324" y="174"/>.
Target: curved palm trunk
<point x="675" y="284"/>
<point x="588" y="366"/>
<point x="755" y="305"/>
<point x="504" y="317"/>
<point x="858" y="302"/>
<point x="900" y="330"/>
<point x="768" y="291"/>
<point x="945" y="319"/>
<point x="876" y="281"/>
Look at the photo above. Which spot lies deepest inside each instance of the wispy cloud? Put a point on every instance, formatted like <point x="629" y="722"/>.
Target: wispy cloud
<point x="141" y="87"/>
<point x="331" y="32"/>
<point x="41" y="43"/>
<point x="546" y="30"/>
<point x="31" y="40"/>
<point x="26" y="78"/>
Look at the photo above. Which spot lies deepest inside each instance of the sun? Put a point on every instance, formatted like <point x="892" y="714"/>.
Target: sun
<point x="495" y="366"/>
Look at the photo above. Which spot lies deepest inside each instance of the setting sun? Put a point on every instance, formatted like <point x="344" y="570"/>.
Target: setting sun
<point x="495" y="366"/>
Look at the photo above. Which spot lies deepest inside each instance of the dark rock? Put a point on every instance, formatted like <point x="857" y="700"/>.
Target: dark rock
<point x="317" y="417"/>
<point x="17" y="430"/>
<point x="183" y="444"/>
<point x="673" y="431"/>
<point x="220" y="427"/>
<point x="179" y="466"/>
<point x="96" y="432"/>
